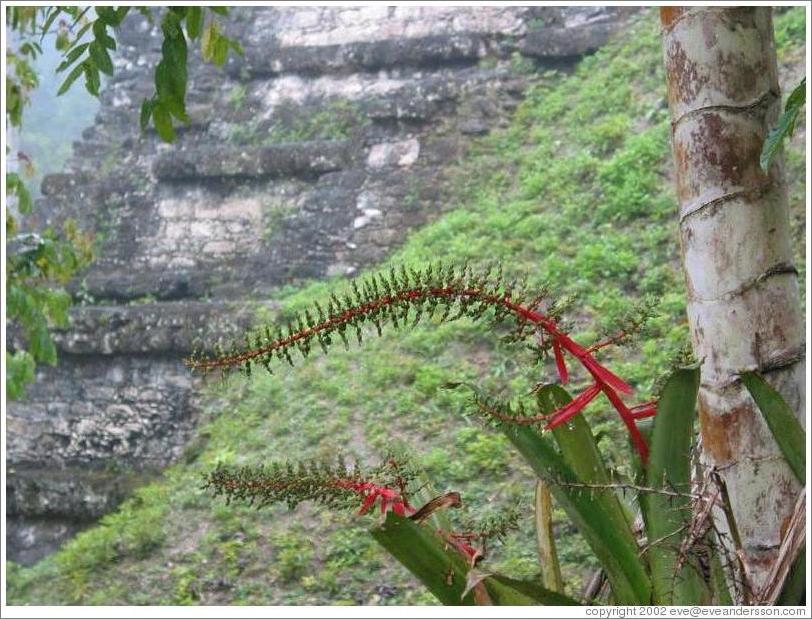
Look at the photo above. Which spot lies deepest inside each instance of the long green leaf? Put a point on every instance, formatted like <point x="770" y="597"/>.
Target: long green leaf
<point x="784" y="425"/>
<point x="445" y="573"/>
<point x="592" y="513"/>
<point x="668" y="517"/>
<point x="78" y="70"/>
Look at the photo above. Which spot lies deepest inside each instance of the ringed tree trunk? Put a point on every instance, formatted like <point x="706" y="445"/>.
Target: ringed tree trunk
<point x="743" y="306"/>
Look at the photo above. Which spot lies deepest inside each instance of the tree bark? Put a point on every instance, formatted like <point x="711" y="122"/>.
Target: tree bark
<point x="743" y="306"/>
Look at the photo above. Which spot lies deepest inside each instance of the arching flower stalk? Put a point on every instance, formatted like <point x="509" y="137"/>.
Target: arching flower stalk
<point x="408" y="296"/>
<point x="332" y="486"/>
<point x="337" y="486"/>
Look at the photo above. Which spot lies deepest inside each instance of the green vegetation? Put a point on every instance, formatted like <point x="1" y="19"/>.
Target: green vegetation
<point x="577" y="193"/>
<point x="335" y="120"/>
<point x="236" y="96"/>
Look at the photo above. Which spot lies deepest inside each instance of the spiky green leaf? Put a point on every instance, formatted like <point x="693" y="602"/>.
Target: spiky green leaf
<point x="784" y="425"/>
<point x="667" y="517"/>
<point x="594" y="514"/>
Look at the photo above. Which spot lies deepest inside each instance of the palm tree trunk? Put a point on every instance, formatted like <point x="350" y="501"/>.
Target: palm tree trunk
<point x="743" y="305"/>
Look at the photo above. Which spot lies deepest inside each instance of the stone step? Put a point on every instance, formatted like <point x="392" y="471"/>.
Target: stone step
<point x="176" y="328"/>
<point x="301" y="159"/>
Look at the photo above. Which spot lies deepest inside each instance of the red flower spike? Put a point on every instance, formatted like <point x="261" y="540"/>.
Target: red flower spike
<point x="563" y="374"/>
<point x="390" y="499"/>
<point x="369" y="501"/>
<point x="569" y="410"/>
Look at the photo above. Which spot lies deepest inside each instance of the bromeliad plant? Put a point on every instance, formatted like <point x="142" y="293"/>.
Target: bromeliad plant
<point x="661" y="548"/>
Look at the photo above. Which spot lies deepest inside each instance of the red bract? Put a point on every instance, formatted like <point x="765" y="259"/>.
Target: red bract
<point x="563" y="374"/>
<point x="644" y="410"/>
<point x="459" y="541"/>
<point x="566" y="412"/>
<point x="390" y="499"/>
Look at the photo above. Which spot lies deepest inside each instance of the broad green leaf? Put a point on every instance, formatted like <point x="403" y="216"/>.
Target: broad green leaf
<point x="16" y="186"/>
<point x="721" y="589"/>
<point x="580" y="451"/>
<point x="62" y="42"/>
<point x="166" y="87"/>
<point x="785" y="127"/>
<point x="121" y="13"/>
<point x="668" y="517"/>
<point x="40" y="344"/>
<point x="784" y="425"/>
<point x="220" y="52"/>
<point x="104" y="39"/>
<point x="445" y="573"/>
<point x="57" y="304"/>
<point x="220" y="10"/>
<point x="20" y="368"/>
<point x="594" y="514"/>
<point x="171" y="73"/>
<point x="574" y="438"/>
<point x="106" y="14"/>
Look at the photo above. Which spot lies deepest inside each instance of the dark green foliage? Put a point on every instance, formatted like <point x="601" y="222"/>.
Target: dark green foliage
<point x="786" y="125"/>
<point x="90" y="59"/>
<point x="36" y="300"/>
<point x="169" y="100"/>
<point x="37" y="267"/>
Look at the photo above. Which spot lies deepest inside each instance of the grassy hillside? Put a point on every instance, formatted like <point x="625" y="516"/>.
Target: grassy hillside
<point x="575" y="193"/>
